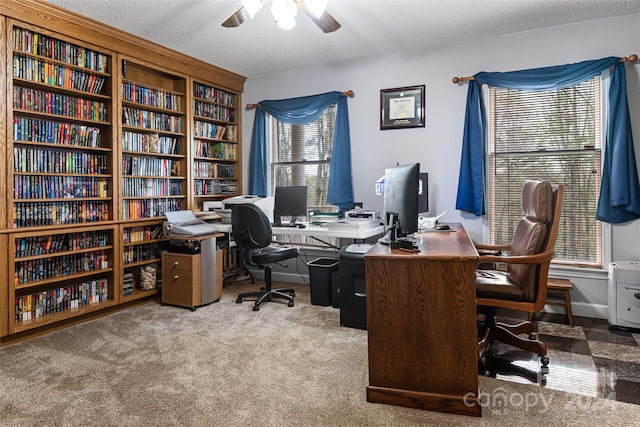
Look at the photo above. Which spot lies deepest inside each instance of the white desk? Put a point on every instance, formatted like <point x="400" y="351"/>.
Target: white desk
<point x="317" y="231"/>
<point x="314" y="231"/>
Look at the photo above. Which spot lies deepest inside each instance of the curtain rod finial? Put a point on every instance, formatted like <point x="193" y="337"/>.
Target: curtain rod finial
<point x="633" y="58"/>
<point x="456" y="80"/>
<point x="348" y="93"/>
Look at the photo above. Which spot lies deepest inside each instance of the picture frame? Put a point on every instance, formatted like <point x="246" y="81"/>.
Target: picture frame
<point x="402" y="107"/>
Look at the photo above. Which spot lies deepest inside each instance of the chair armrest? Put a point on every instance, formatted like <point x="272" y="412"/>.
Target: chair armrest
<point x="495" y="248"/>
<point x="540" y="258"/>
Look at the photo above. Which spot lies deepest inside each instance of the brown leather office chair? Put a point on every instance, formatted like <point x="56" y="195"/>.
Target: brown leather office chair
<point x="522" y="286"/>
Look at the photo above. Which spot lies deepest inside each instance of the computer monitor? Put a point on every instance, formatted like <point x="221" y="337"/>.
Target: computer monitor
<point x="401" y="185"/>
<point x="290" y="202"/>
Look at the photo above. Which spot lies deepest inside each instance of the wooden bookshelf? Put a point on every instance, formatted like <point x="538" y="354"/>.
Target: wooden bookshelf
<point x="215" y="144"/>
<point x="61" y="169"/>
<point x="97" y="123"/>
<point x="154" y="168"/>
<point x="58" y="275"/>
<point x="142" y="246"/>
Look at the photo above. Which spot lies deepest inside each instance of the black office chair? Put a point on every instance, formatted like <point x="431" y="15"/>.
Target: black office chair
<point x="252" y="232"/>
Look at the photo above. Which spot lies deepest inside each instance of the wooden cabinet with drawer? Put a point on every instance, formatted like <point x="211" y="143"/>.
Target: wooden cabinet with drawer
<point x="182" y="280"/>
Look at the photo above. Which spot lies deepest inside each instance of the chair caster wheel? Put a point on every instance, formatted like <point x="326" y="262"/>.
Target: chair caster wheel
<point x="532" y="337"/>
<point x="545" y="361"/>
<point x="290" y="304"/>
<point x="483" y="360"/>
<point x="256" y="307"/>
<point x="192" y="309"/>
<point x="293" y="294"/>
<point x="239" y="300"/>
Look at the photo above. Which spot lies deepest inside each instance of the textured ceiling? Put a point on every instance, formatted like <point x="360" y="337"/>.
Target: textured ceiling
<point x="369" y="28"/>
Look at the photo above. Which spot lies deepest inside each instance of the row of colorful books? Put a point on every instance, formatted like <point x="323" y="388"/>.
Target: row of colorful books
<point x="62" y="265"/>
<point x="53" y="243"/>
<point x="40" y="160"/>
<point x="150" y="166"/>
<point x="28" y="99"/>
<point x="151" y="120"/>
<point x="215" y="112"/>
<point x="32" y="214"/>
<point x="39" y="71"/>
<point x="150" y="143"/>
<point x="212" y="187"/>
<point x="151" y="187"/>
<point x="53" y="132"/>
<point x="214" y="95"/>
<point x="159" y="98"/>
<point x="149" y="208"/>
<point x="38" y="44"/>
<point x="212" y="170"/>
<point x="43" y="303"/>
<point x="58" y="187"/>
<point x="140" y="253"/>
<point x="141" y="234"/>
<point x="214" y="149"/>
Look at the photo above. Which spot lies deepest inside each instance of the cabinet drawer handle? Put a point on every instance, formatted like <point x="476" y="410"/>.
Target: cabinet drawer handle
<point x="176" y="263"/>
<point x="175" y="277"/>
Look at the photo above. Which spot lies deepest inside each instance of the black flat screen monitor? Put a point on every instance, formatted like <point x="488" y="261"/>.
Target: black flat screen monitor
<point x="289" y="203"/>
<point x="401" y="185"/>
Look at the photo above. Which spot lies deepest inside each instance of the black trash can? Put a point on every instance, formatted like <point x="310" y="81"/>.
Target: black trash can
<point x="320" y="274"/>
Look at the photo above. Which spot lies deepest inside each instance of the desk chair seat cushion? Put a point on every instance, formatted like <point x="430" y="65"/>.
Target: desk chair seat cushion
<point x="271" y="254"/>
<point x="496" y="284"/>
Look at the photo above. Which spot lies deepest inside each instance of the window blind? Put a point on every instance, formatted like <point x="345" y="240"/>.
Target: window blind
<point x="301" y="155"/>
<point x="554" y="136"/>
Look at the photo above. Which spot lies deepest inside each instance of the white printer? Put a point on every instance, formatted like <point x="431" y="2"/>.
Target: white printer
<point x="624" y="294"/>
<point x="264" y="203"/>
<point x="185" y="223"/>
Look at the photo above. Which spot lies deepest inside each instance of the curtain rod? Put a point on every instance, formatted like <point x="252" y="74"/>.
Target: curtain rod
<point x="348" y="93"/>
<point x="456" y="80"/>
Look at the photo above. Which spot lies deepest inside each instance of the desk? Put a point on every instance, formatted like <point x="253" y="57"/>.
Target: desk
<point x="421" y="324"/>
<point x="314" y="231"/>
<point x="317" y="231"/>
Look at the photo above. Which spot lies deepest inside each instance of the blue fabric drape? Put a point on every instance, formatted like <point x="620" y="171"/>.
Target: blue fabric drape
<point x="301" y="111"/>
<point x="472" y="161"/>
<point x="619" y="193"/>
<point x="619" y="196"/>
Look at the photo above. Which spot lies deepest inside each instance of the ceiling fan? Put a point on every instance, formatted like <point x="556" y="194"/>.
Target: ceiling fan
<point x="284" y="12"/>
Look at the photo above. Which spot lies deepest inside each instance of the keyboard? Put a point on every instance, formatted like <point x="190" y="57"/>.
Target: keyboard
<point x="287" y="224"/>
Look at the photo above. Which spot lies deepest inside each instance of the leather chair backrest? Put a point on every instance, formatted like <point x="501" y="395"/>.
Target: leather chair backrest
<point x="251" y="229"/>
<point x="531" y="234"/>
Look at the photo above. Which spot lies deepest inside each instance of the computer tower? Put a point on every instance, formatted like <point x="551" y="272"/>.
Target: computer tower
<point x="353" y="286"/>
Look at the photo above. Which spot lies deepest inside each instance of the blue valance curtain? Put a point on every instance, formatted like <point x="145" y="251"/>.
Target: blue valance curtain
<point x="619" y="194"/>
<point x="301" y="111"/>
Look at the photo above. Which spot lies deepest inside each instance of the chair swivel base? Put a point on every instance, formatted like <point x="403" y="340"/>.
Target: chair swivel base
<point x="268" y="295"/>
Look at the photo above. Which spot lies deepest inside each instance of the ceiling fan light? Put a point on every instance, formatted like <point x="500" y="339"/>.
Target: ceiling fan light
<point x="287" y="23"/>
<point x="284" y="10"/>
<point x="317" y="7"/>
<point x="251" y="6"/>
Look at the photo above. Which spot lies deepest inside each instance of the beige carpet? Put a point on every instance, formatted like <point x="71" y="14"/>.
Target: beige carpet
<point x="225" y="365"/>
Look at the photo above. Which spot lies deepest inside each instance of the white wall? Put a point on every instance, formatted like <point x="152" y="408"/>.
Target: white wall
<point x="437" y="146"/>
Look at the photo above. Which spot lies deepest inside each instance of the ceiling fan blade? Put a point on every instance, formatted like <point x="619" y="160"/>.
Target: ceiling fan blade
<point x="326" y="22"/>
<point x="236" y="19"/>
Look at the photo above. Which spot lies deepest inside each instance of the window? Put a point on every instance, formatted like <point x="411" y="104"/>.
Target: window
<point x="300" y="155"/>
<point x="555" y="136"/>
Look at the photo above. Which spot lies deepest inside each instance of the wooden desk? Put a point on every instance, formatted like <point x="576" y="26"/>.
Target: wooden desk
<point x="421" y="324"/>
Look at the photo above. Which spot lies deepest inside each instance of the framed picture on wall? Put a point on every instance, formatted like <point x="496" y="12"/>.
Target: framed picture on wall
<point x="402" y="107"/>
